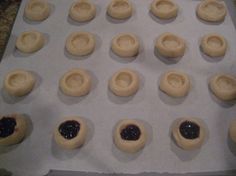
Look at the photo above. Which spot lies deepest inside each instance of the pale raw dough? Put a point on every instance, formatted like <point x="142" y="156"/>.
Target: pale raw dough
<point x="19" y="82"/>
<point x="120" y="9"/>
<point x="82" y="11"/>
<point x="184" y="143"/>
<point x="125" y="45"/>
<point x="232" y="131"/>
<point x="175" y="83"/>
<point x="76" y="82"/>
<point x="223" y="86"/>
<point x="164" y="9"/>
<point x="124" y="83"/>
<point x="75" y="142"/>
<point x="214" y="45"/>
<point x="130" y="146"/>
<point x="19" y="132"/>
<point x="37" y="10"/>
<point x="211" y="10"/>
<point x="80" y="43"/>
<point x="30" y="41"/>
<point x="170" y="45"/>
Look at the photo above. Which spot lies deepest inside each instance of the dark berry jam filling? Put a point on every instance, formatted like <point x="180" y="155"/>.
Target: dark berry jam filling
<point x="7" y="126"/>
<point x="69" y="129"/>
<point x="189" y="130"/>
<point x="130" y="133"/>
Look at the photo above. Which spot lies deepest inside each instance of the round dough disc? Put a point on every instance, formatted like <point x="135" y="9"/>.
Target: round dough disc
<point x="19" y="131"/>
<point x="223" y="86"/>
<point x="82" y="11"/>
<point x="76" y="82"/>
<point x="19" y="82"/>
<point x="120" y="9"/>
<point x="30" y="41"/>
<point x="170" y="45"/>
<point x="125" y="45"/>
<point x="184" y="143"/>
<point x="75" y="142"/>
<point x="130" y="146"/>
<point x="164" y="9"/>
<point x="214" y="45"/>
<point x="124" y="82"/>
<point x="37" y="10"/>
<point x="80" y="43"/>
<point x="211" y="10"/>
<point x="175" y="83"/>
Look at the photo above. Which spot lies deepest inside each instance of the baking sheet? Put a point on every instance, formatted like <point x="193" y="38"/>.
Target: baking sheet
<point x="46" y="105"/>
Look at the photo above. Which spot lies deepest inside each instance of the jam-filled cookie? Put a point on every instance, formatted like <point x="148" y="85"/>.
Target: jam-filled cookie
<point x="12" y="129"/>
<point x="189" y="133"/>
<point x="130" y="135"/>
<point x="71" y="132"/>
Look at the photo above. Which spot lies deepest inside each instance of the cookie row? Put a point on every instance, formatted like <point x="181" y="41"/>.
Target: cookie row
<point x="125" y="82"/>
<point x="84" y="10"/>
<point x="124" y="44"/>
<point x="130" y="135"/>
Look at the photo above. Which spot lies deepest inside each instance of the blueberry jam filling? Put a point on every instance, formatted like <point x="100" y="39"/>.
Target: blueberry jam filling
<point x="7" y="126"/>
<point x="189" y="130"/>
<point x="69" y="129"/>
<point x="130" y="133"/>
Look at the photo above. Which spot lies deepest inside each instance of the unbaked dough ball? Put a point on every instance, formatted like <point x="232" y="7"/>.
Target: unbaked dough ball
<point x="80" y="43"/>
<point x="19" y="82"/>
<point x="175" y="83"/>
<point x="124" y="82"/>
<point x="214" y="45"/>
<point x="164" y="9"/>
<point x="76" y="82"/>
<point x="12" y="129"/>
<point x="120" y="9"/>
<point x="211" y="10"/>
<point x="170" y="45"/>
<point x="30" y="41"/>
<point x="189" y="133"/>
<point x="37" y="10"/>
<point x="71" y="132"/>
<point x="130" y="135"/>
<point x="125" y="45"/>
<point x="223" y="86"/>
<point x="82" y="11"/>
<point x="232" y="131"/>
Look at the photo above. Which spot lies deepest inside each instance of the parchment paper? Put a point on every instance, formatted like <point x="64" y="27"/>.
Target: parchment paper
<point x="46" y="105"/>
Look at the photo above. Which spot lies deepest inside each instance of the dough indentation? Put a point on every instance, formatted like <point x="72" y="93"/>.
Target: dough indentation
<point x="175" y="80"/>
<point x="214" y="42"/>
<point x="164" y="6"/>
<point x="75" y="80"/>
<point x="170" y="42"/>
<point x="123" y="80"/>
<point x="80" y="41"/>
<point x="226" y="83"/>
<point x="37" y="7"/>
<point x="125" y="41"/>
<point x="17" y="79"/>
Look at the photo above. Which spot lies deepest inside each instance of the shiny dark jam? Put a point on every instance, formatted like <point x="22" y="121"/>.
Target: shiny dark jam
<point x="130" y="133"/>
<point x="189" y="130"/>
<point x="69" y="129"/>
<point x="7" y="126"/>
